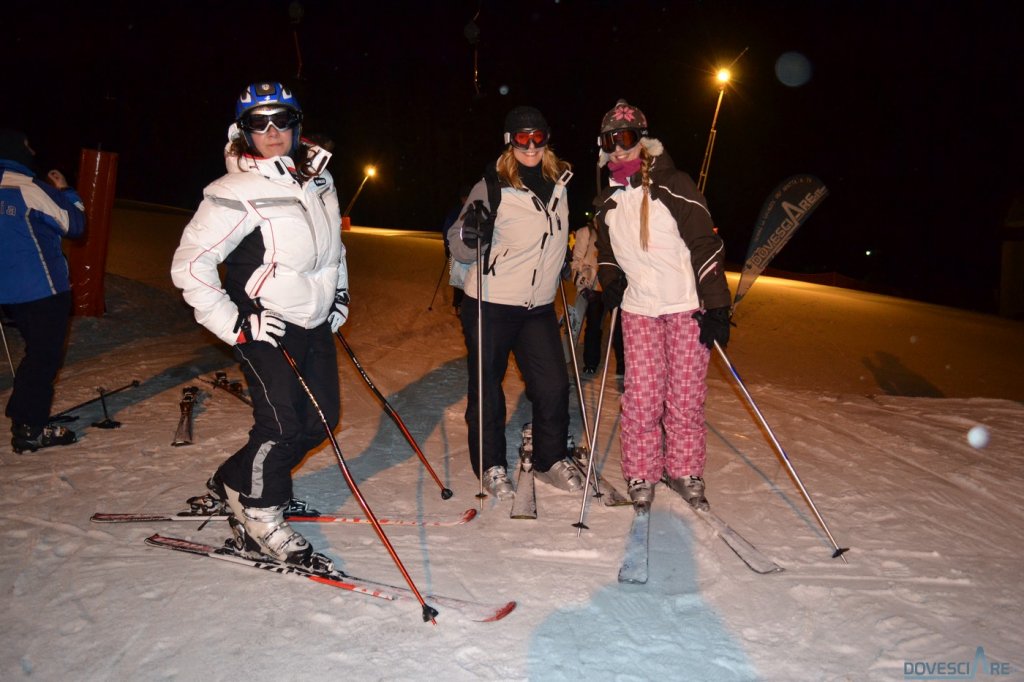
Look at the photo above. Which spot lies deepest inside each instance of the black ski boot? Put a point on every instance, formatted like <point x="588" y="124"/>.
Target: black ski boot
<point x="32" y="438"/>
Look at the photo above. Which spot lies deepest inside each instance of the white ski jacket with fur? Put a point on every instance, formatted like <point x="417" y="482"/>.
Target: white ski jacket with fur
<point x="280" y="242"/>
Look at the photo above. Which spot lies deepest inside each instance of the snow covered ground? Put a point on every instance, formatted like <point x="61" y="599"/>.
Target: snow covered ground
<point x="872" y="397"/>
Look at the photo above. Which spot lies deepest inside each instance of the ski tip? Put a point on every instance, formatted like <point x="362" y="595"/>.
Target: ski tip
<point x="468" y="515"/>
<point x="499" y="613"/>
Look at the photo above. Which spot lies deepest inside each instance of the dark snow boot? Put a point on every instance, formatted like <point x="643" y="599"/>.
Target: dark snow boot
<point x="32" y="438"/>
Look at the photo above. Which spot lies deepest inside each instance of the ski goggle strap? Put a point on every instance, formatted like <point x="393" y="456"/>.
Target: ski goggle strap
<point x="521" y="139"/>
<point x="260" y="123"/>
<point x="627" y="138"/>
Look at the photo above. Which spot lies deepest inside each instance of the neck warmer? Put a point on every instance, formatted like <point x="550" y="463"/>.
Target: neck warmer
<point x="621" y="172"/>
<point x="533" y="178"/>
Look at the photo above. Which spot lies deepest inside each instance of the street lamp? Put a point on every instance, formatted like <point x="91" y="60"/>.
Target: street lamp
<point x="369" y="172"/>
<point x="723" y="76"/>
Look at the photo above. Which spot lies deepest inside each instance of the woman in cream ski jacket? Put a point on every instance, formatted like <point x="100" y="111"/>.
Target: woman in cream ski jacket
<point x="524" y="239"/>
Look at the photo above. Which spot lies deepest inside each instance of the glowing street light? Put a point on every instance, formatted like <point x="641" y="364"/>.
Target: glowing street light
<point x="722" y="77"/>
<point x="368" y="172"/>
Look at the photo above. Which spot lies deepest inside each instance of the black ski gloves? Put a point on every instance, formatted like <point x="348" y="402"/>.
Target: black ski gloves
<point x="714" y="326"/>
<point x="477" y="225"/>
<point x="613" y="291"/>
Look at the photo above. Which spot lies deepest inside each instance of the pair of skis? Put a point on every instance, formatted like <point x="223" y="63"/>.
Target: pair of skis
<point x="634" y="560"/>
<point x="465" y="608"/>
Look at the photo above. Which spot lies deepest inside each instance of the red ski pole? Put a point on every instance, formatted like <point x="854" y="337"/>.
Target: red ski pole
<point x="429" y="612"/>
<point x="446" y="493"/>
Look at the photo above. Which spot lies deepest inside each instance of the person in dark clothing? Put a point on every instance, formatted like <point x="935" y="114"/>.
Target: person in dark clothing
<point x="35" y="285"/>
<point x="456" y="275"/>
<point x="584" y="270"/>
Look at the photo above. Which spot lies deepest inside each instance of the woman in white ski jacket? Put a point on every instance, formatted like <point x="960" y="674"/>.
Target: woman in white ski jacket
<point x="520" y="213"/>
<point x="663" y="264"/>
<point x="274" y="223"/>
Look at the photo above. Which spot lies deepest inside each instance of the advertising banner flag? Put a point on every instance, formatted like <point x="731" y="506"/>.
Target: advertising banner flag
<point x="784" y="211"/>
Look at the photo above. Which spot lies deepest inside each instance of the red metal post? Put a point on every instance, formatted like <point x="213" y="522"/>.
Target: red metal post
<point x="87" y="258"/>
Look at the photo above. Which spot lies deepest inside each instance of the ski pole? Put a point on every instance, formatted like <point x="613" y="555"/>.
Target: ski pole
<point x="597" y="421"/>
<point x="446" y="493"/>
<point x="480" y="364"/>
<point x="839" y="551"/>
<point x="103" y="394"/>
<point x="579" y="384"/>
<point x="7" y="348"/>
<point x="106" y="422"/>
<point x="429" y="612"/>
<point x="438" y="285"/>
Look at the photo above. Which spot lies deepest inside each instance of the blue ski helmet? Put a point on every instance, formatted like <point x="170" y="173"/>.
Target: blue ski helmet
<point x="262" y="94"/>
<point x="273" y="96"/>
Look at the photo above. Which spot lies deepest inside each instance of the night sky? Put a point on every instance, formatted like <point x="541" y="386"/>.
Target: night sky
<point x="911" y="116"/>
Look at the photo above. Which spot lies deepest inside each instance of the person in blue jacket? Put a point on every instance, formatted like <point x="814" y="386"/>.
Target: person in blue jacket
<point x="35" y="285"/>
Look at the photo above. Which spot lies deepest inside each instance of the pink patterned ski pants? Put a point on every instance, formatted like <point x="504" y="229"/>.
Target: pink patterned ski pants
<point x="665" y="387"/>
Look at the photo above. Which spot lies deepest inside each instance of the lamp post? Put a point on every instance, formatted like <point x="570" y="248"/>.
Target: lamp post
<point x="723" y="76"/>
<point x="369" y="172"/>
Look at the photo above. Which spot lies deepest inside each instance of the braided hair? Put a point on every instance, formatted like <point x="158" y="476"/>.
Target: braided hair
<point x="645" y="176"/>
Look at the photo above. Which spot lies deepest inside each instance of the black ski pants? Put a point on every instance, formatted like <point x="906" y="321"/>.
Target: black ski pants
<point x="533" y="337"/>
<point x="43" y="325"/>
<point x="286" y="424"/>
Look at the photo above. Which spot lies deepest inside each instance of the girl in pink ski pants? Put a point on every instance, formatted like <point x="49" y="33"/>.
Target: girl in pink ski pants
<point x="663" y="403"/>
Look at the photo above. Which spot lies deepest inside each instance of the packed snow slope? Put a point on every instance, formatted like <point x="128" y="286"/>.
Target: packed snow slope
<point x="871" y="397"/>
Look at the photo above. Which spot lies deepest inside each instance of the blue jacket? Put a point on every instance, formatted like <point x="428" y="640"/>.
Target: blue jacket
<point x="34" y="217"/>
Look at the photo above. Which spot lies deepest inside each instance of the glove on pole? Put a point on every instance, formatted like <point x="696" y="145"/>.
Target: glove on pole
<point x="429" y="612"/>
<point x="445" y="492"/>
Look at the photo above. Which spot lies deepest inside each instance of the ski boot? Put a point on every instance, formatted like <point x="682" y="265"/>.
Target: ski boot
<point x="691" y="489"/>
<point x="261" y="532"/>
<point x="641" y="492"/>
<point x="497" y="483"/>
<point x="213" y="503"/>
<point x="32" y="438"/>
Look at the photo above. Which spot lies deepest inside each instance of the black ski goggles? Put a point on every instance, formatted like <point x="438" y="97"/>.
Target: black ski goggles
<point x="521" y="139"/>
<point x="283" y="120"/>
<point x="627" y="138"/>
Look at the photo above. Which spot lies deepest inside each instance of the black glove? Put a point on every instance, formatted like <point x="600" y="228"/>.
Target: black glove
<point x="613" y="291"/>
<point x="714" y="326"/>
<point x="477" y="225"/>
